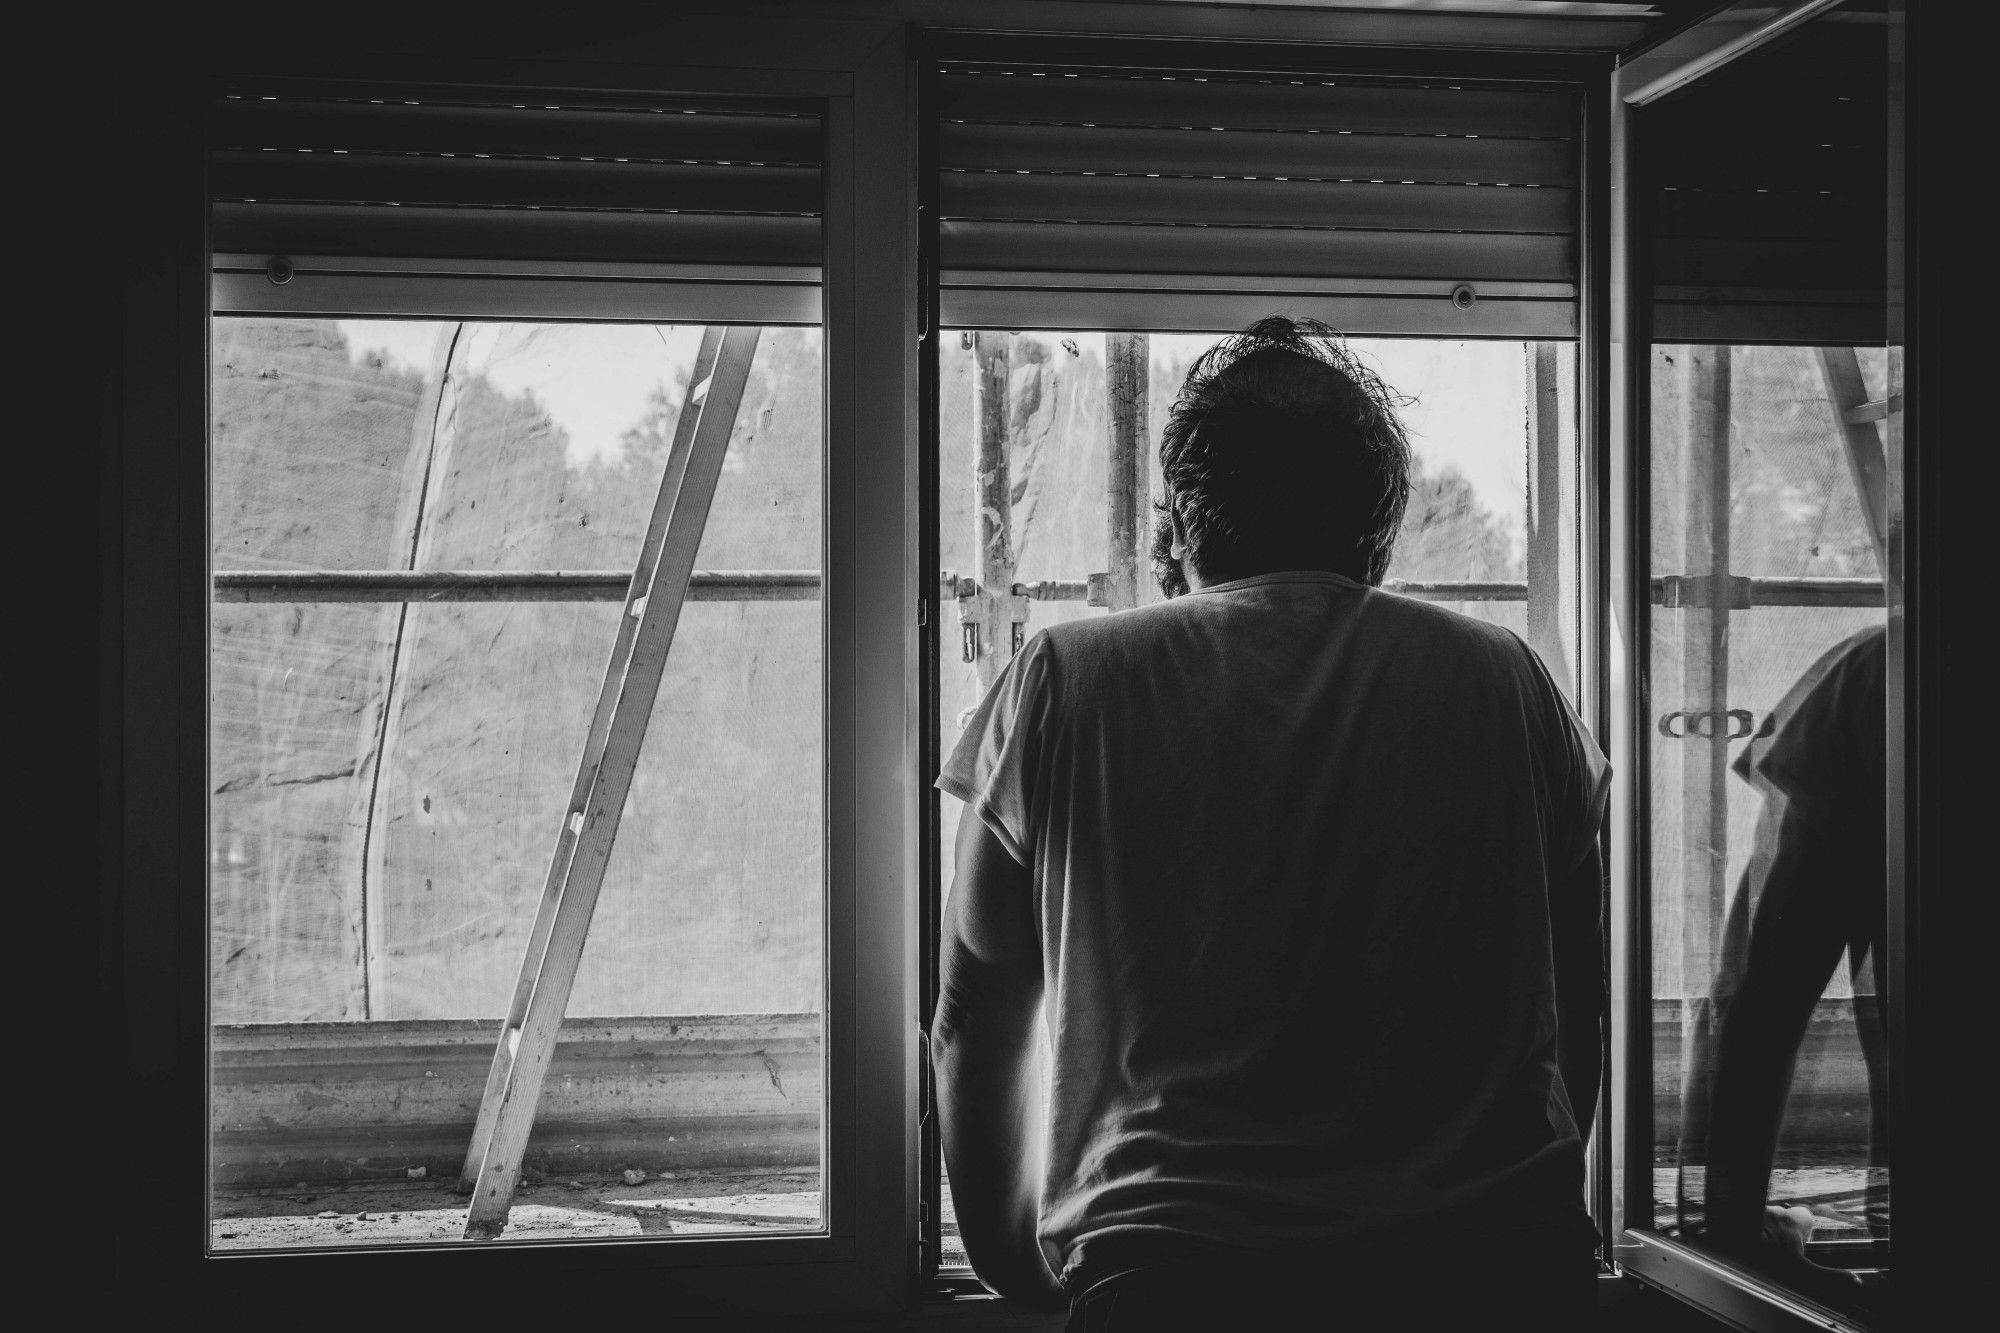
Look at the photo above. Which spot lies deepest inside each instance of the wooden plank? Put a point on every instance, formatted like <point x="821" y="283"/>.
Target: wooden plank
<point x="605" y="771"/>
<point x="1311" y="154"/>
<point x="361" y="1101"/>
<point x="1262" y="251"/>
<point x="509" y="182"/>
<point x="1281" y="102"/>
<point x="1128" y="513"/>
<point x="333" y="1101"/>
<point x="1210" y="202"/>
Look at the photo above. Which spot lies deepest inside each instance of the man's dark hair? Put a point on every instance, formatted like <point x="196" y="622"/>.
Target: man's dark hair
<point x="1282" y="452"/>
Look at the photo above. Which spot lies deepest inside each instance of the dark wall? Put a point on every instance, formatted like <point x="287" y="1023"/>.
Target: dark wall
<point x="112" y="214"/>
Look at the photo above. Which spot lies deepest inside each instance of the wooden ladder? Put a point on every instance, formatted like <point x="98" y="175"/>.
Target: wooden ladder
<point x="603" y="778"/>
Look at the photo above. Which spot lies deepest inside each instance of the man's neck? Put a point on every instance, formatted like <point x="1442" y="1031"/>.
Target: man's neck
<point x="1198" y="582"/>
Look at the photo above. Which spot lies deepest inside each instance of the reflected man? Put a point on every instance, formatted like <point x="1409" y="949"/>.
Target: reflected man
<point x="1815" y="888"/>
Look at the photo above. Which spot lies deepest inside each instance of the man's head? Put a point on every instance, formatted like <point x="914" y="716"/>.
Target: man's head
<point x="1282" y="452"/>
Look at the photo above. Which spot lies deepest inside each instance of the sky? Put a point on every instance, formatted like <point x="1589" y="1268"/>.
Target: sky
<point x="595" y="380"/>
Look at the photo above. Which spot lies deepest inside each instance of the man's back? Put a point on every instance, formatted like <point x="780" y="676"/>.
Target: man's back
<point x="1292" y="841"/>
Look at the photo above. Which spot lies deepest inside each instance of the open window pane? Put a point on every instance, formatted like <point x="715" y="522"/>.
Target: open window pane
<point x="1768" y="815"/>
<point x="391" y="770"/>
<point x="1045" y="438"/>
<point x="1773" y="389"/>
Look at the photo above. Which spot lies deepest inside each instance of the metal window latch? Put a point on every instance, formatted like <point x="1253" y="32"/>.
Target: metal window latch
<point x="1685" y="725"/>
<point x="1678" y="592"/>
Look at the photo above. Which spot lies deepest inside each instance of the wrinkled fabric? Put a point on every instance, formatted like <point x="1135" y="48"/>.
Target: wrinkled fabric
<point x="1292" y="841"/>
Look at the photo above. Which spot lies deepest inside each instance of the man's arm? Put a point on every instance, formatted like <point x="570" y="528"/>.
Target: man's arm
<point x="1576" y="918"/>
<point x="982" y="1046"/>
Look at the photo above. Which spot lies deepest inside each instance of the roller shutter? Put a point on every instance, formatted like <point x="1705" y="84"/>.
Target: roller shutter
<point x="511" y="175"/>
<point x="1177" y="199"/>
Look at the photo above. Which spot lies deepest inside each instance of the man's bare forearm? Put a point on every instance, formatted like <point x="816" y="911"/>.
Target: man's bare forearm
<point x="983" y="1040"/>
<point x="989" y="1113"/>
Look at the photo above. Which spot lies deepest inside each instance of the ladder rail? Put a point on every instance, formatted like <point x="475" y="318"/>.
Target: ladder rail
<point x="600" y="721"/>
<point x="604" y="777"/>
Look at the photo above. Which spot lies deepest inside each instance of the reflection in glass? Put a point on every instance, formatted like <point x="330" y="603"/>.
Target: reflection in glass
<point x="1771" y="385"/>
<point x="389" y="778"/>
<point x="1048" y="467"/>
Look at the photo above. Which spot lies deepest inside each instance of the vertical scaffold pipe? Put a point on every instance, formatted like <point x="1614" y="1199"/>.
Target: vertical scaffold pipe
<point x="995" y="517"/>
<point x="1126" y="359"/>
<point x="1703" y="759"/>
<point x="1549" y="597"/>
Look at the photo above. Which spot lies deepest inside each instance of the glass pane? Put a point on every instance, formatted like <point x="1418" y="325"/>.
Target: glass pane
<point x="1770" y="385"/>
<point x="390" y="778"/>
<point x="1491" y="530"/>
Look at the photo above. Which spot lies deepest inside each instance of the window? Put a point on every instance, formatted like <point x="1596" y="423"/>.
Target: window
<point x="1100" y="227"/>
<point x="520" y="881"/>
<point x="423" y="537"/>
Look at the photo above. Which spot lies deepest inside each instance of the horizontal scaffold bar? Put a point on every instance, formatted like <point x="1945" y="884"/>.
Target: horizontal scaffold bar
<point x="803" y="585"/>
<point x="595" y="585"/>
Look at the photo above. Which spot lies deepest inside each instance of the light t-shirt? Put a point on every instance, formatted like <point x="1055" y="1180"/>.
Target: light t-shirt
<point x="1293" y="842"/>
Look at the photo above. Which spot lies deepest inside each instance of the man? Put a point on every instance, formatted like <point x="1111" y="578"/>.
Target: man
<point x="1307" y="876"/>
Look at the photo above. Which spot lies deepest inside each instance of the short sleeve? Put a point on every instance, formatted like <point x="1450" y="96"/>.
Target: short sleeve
<point x="1579" y="779"/>
<point x="995" y="765"/>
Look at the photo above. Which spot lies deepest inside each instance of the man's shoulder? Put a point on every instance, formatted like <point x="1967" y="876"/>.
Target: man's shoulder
<point x="1400" y="623"/>
<point x="1442" y="622"/>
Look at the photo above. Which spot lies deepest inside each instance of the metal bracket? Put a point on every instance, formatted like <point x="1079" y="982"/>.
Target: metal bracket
<point x="1678" y="592"/>
<point x="1695" y="725"/>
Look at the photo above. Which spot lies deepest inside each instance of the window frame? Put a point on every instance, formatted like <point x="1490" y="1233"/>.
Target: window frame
<point x="860" y="1261"/>
<point x="1709" y="1283"/>
<point x="1121" y="303"/>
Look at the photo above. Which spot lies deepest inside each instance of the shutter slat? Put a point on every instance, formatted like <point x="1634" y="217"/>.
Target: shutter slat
<point x="1053" y="98"/>
<point x="1276" y="251"/>
<point x="1252" y="203"/>
<point x="1808" y="167"/>
<point x="471" y="233"/>
<point x="1385" y="157"/>
<point x="512" y="183"/>
<point x="1748" y="262"/>
<point x="1778" y="216"/>
<point x="376" y="127"/>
